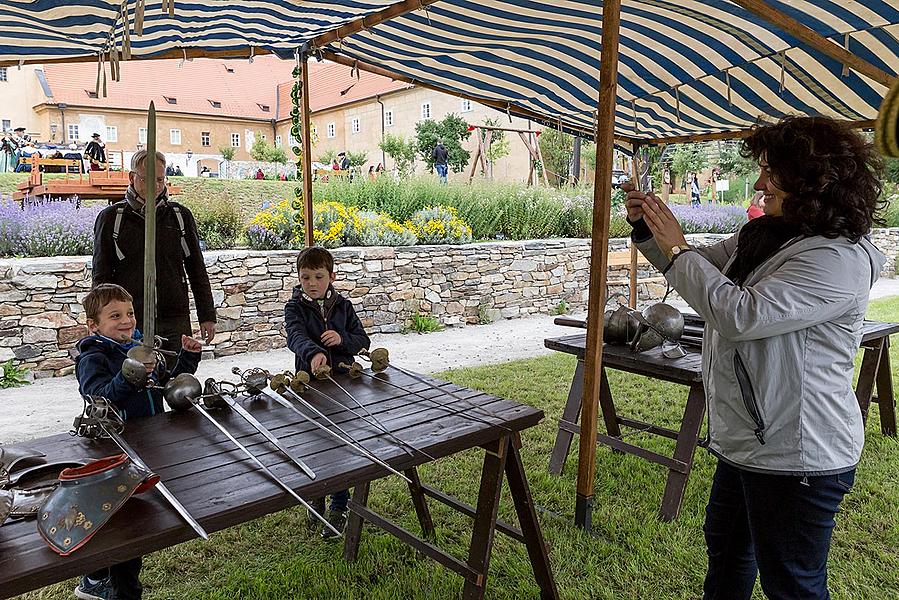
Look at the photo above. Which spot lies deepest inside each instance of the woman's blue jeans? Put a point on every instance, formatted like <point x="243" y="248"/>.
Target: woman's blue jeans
<point x="776" y="526"/>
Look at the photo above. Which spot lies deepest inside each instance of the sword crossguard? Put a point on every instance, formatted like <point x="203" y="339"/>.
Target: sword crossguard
<point x="322" y="373"/>
<point x="355" y="369"/>
<point x="379" y="358"/>
<point x="97" y="413"/>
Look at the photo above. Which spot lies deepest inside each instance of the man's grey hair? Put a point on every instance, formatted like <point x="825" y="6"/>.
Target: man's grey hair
<point x="140" y="157"/>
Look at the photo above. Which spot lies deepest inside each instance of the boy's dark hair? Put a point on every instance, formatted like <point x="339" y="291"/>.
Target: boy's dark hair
<point x="102" y="295"/>
<point x="315" y="257"/>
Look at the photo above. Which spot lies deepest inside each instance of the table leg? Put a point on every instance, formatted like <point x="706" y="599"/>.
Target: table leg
<point x="607" y="404"/>
<point x="421" y="505"/>
<point x="683" y="451"/>
<point x="886" y="402"/>
<point x="353" y="532"/>
<point x="485" y="520"/>
<point x="527" y="518"/>
<point x="571" y="414"/>
<point x="867" y="375"/>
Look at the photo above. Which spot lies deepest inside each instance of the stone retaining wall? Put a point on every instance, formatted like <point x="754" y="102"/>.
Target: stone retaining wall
<point x="41" y="317"/>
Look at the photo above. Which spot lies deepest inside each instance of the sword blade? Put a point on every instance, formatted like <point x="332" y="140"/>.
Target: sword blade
<point x="166" y="493"/>
<point x="371" y="420"/>
<point x="348" y="440"/>
<point x="268" y="471"/>
<point x="268" y="435"/>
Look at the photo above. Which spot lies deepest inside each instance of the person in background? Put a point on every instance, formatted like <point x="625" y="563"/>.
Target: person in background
<point x="259" y="174"/>
<point x="440" y="155"/>
<point x="95" y="152"/>
<point x="756" y="206"/>
<point x="784" y="302"/>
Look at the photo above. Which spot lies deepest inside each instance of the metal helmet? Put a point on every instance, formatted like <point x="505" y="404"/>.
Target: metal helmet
<point x="619" y="325"/>
<point x="659" y="322"/>
<point x="181" y="391"/>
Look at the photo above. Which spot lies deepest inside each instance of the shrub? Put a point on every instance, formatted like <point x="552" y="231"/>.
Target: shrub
<point x="709" y="218"/>
<point x="47" y="228"/>
<point x="331" y="222"/>
<point x="376" y="229"/>
<point x="440" y="225"/>
<point x="260" y="238"/>
<point x="12" y="376"/>
<point x="424" y="324"/>
<point x="218" y="223"/>
<point x="281" y="223"/>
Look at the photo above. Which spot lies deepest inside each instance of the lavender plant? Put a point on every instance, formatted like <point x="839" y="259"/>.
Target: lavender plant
<point x="43" y="227"/>
<point x="709" y="218"/>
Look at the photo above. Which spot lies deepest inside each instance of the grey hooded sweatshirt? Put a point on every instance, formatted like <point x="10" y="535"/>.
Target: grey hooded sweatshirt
<point x="778" y="352"/>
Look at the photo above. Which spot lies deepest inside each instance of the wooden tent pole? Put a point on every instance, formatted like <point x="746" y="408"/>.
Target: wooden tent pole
<point x="599" y="259"/>
<point x="814" y="39"/>
<point x="543" y="164"/>
<point x="306" y="136"/>
<point x="635" y="170"/>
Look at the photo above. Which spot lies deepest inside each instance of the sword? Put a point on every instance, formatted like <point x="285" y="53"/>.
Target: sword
<point x="99" y="415"/>
<point x="348" y="440"/>
<point x="268" y="434"/>
<point x="268" y="471"/>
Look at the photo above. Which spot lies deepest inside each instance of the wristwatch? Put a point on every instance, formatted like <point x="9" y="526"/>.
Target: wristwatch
<point x="678" y="250"/>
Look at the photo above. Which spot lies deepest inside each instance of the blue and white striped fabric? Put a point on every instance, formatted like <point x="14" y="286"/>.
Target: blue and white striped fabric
<point x="687" y="67"/>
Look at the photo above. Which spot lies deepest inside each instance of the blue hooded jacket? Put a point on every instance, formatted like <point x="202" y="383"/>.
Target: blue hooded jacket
<point x="98" y="369"/>
<point x="306" y="321"/>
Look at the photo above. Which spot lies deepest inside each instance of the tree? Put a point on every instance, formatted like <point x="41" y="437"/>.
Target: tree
<point x="689" y="158"/>
<point x="276" y="155"/>
<point x="556" y="147"/>
<point x="259" y="149"/>
<point x="453" y="130"/>
<point x="733" y="162"/>
<point x="401" y="151"/>
<point x="227" y="153"/>
<point x="328" y="157"/>
<point x="499" y="145"/>
<point x="357" y="159"/>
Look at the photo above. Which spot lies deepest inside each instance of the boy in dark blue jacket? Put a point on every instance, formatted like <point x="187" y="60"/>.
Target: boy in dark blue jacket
<point x="323" y="329"/>
<point x="110" y="318"/>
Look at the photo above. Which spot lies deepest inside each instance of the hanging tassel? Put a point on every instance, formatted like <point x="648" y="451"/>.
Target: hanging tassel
<point x="509" y="112"/>
<point x="422" y="6"/>
<point x="172" y="8"/>
<point x="103" y="69"/>
<point x="126" y="25"/>
<point x="139" y="17"/>
<point x="99" y="68"/>
<point x="677" y="102"/>
<point x="783" y="69"/>
<point x="252" y="53"/>
<point x="846" y="46"/>
<point x="727" y="78"/>
<point x="636" y="123"/>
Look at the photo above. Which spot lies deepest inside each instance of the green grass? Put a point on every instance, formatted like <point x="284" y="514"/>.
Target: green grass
<point x="632" y="555"/>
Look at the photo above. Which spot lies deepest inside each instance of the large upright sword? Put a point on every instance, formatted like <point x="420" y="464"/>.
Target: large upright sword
<point x="98" y="412"/>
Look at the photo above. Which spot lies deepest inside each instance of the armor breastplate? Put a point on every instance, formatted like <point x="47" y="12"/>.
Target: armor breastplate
<point x="11" y="456"/>
<point x="22" y="504"/>
<point x="86" y="498"/>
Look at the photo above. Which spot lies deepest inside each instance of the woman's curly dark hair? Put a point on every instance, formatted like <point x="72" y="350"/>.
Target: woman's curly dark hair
<point x="830" y="173"/>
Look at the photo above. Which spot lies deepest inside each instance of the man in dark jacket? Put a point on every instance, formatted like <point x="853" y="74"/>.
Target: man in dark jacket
<point x="119" y="256"/>
<point x="95" y="152"/>
<point x="322" y="329"/>
<point x="110" y="318"/>
<point x="441" y="156"/>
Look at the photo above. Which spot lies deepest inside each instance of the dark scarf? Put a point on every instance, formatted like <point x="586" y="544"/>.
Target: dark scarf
<point x="137" y="203"/>
<point x="759" y="240"/>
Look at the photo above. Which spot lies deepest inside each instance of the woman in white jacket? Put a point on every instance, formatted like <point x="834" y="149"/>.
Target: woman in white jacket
<point x="784" y="301"/>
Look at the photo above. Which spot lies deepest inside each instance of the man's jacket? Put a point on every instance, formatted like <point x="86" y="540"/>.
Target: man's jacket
<point x="99" y="372"/>
<point x="440" y="155"/>
<point x="173" y="268"/>
<point x="306" y="320"/>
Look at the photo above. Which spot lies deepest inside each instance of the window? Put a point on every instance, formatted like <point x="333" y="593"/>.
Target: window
<point x="205" y="139"/>
<point x="263" y="107"/>
<point x="91" y="93"/>
<point x="466" y="105"/>
<point x="355" y="127"/>
<point x="292" y="141"/>
<point x="332" y="130"/>
<point x="6" y="126"/>
<point x="235" y="140"/>
<point x="3" y="74"/>
<point x="215" y="103"/>
<point x="388" y="118"/>
<point x="171" y="100"/>
<point x="112" y="133"/>
<point x="264" y="139"/>
<point x="426" y="110"/>
<point x="142" y="135"/>
<point x="73" y="133"/>
<point x="175" y="137"/>
<point x="277" y="141"/>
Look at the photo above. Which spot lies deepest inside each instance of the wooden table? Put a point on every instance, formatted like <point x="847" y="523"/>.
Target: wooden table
<point x="221" y="488"/>
<point x="875" y="373"/>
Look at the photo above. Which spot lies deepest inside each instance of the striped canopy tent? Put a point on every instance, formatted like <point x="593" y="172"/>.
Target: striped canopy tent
<point x="686" y="70"/>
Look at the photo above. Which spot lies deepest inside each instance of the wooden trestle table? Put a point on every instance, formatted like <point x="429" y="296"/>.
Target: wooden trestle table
<point x="221" y="487"/>
<point x="875" y="373"/>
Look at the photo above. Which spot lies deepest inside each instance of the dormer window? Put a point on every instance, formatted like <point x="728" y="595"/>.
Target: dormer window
<point x="91" y="93"/>
<point x="215" y="103"/>
<point x="263" y="107"/>
<point x="171" y="100"/>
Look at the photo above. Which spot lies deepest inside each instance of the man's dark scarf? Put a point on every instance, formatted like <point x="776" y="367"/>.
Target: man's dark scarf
<point x="759" y="240"/>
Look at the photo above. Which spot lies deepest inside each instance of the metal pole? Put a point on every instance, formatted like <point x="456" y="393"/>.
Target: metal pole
<point x="599" y="259"/>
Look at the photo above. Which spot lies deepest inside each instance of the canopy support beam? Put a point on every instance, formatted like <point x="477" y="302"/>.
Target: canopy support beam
<point x="814" y="39"/>
<point x="599" y="259"/>
<point x="306" y="138"/>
